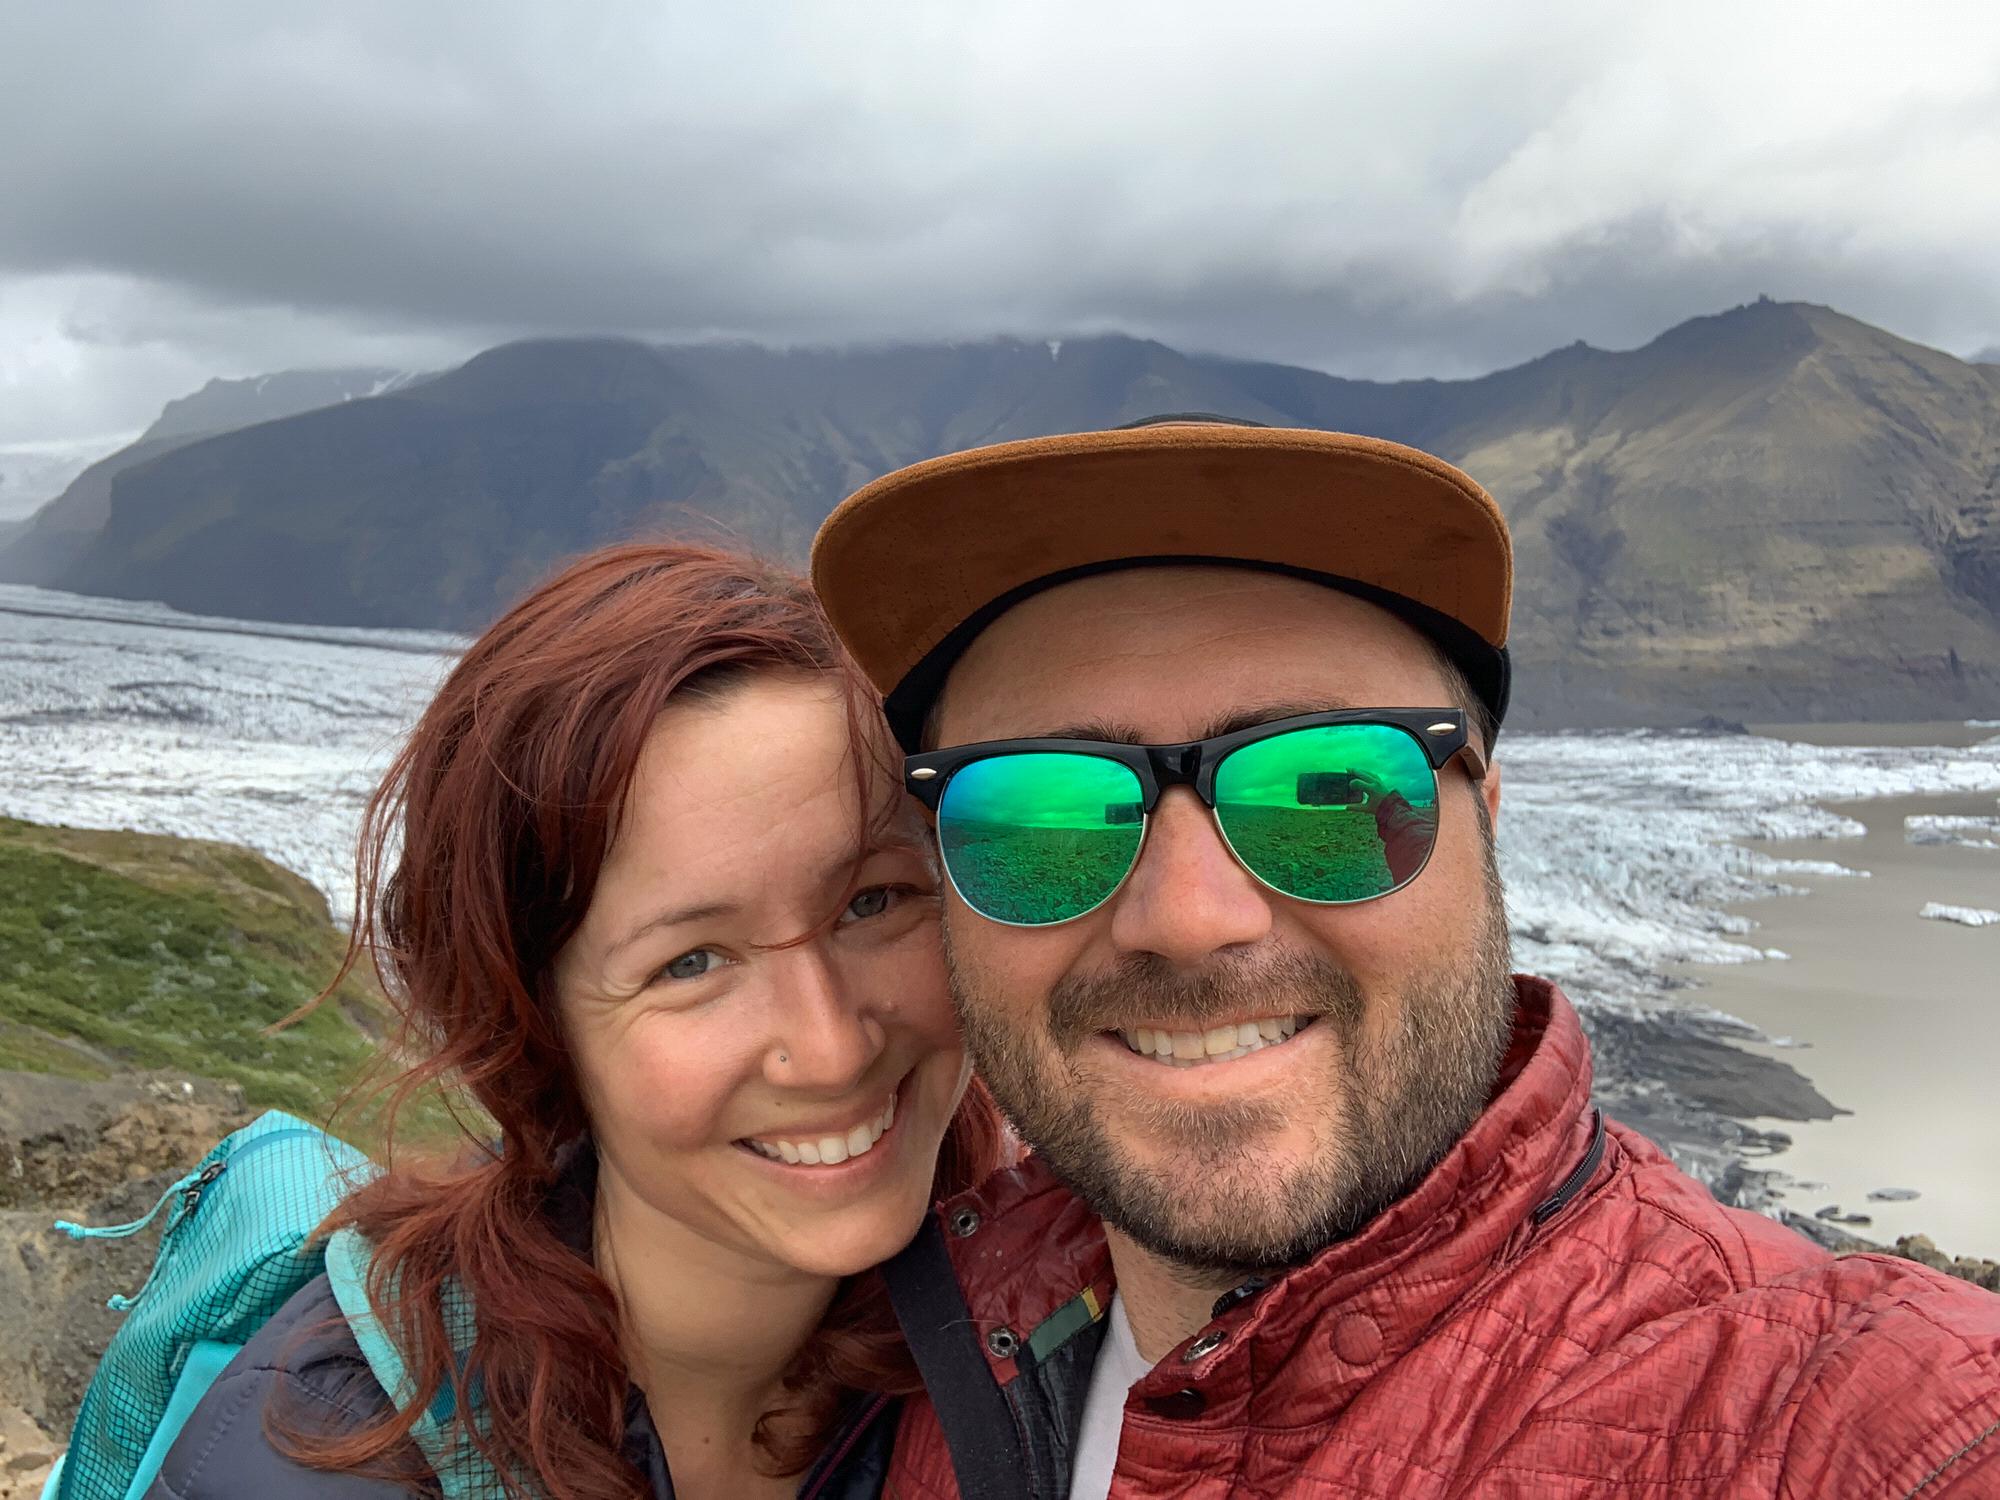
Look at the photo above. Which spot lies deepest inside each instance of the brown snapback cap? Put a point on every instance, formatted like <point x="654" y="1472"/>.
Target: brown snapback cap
<point x="914" y="565"/>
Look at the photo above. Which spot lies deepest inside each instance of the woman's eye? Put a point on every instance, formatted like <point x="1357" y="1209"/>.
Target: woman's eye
<point x="874" y="901"/>
<point x="691" y="965"/>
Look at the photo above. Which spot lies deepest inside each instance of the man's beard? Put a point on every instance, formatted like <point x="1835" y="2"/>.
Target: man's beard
<point x="1392" y="1111"/>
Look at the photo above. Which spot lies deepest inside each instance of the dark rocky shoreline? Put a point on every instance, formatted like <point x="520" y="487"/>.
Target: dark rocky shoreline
<point x="1678" y="1077"/>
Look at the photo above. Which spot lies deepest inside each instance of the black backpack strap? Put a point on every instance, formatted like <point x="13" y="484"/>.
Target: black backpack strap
<point x="978" y="1423"/>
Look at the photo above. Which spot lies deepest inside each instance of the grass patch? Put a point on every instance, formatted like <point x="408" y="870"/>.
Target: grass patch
<point x="132" y="951"/>
<point x="26" y="1050"/>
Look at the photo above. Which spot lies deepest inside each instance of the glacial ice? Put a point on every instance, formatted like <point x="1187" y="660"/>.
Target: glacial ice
<point x="1969" y="832"/>
<point x="1619" y="848"/>
<point x="116" y="714"/>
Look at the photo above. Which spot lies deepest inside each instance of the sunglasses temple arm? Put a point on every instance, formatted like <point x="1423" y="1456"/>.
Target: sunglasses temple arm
<point x="1475" y="763"/>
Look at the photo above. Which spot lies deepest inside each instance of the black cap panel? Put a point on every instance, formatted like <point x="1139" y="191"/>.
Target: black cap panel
<point x="1488" y="669"/>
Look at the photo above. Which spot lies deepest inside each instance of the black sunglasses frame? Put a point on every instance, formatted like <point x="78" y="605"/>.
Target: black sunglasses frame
<point x="1440" y="732"/>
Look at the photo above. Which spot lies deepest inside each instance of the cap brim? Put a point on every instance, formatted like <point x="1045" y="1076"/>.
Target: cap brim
<point x="908" y="559"/>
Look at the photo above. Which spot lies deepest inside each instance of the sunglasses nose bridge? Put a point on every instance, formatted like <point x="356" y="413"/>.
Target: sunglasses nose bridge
<point x="1175" y="765"/>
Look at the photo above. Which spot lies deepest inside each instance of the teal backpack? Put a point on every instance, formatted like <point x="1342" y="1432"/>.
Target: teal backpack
<point x="239" y="1241"/>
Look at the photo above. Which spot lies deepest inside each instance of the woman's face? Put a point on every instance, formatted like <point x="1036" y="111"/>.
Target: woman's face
<point x="781" y="1103"/>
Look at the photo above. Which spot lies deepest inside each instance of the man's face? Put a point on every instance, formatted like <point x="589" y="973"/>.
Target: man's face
<point x="1405" y="1001"/>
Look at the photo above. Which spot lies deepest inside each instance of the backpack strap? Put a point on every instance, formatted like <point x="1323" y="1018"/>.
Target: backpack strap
<point x="978" y="1424"/>
<point x="440" y="1436"/>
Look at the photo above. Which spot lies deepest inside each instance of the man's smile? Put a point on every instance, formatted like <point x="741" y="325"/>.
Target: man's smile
<point x="1180" y="1047"/>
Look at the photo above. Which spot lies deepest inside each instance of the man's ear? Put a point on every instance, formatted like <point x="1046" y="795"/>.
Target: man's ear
<point x="1489" y="789"/>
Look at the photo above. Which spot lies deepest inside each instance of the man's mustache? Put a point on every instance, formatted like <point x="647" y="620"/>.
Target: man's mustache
<point x="1145" y="986"/>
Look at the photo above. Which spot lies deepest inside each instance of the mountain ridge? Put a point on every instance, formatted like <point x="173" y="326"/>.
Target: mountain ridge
<point x="1771" y="512"/>
<point x="224" y="404"/>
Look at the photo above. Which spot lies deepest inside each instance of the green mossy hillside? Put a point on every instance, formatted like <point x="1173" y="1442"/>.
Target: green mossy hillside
<point x="123" y="951"/>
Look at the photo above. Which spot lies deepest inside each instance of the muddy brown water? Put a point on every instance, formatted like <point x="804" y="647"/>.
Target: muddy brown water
<point x="1898" y="1017"/>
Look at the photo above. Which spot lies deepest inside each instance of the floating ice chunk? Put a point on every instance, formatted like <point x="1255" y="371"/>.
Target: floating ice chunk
<point x="1893" y="1195"/>
<point x="1971" y="833"/>
<point x="1969" y="916"/>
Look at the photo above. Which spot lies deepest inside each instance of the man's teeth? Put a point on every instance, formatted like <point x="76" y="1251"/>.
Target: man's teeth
<point x="829" y="1150"/>
<point x="1188" y="1049"/>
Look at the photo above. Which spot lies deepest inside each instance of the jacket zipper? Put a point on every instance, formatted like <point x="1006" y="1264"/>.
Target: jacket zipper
<point x="1579" y="1178"/>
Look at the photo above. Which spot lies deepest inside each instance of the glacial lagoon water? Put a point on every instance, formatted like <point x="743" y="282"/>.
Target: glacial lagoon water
<point x="1634" y="861"/>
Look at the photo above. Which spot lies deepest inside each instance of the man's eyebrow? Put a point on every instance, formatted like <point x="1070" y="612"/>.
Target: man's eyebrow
<point x="1107" y="730"/>
<point x="1267" y="713"/>
<point x="1111" y="732"/>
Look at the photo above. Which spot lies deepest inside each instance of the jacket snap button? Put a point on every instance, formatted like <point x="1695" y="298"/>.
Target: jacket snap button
<point x="964" y="1222"/>
<point x="1208" y="1343"/>
<point x="1003" y="1343"/>
<point x="1181" y="1406"/>
<point x="1357" y="1338"/>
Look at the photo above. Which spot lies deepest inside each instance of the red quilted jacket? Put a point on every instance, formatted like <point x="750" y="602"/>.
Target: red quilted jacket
<point x="1555" y="1311"/>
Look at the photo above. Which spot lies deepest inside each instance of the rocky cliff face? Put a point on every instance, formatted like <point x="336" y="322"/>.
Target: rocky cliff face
<point x="47" y="545"/>
<point x="1774" y="513"/>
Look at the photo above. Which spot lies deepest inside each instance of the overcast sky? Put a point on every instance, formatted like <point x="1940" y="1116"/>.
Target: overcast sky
<point x="193" y="189"/>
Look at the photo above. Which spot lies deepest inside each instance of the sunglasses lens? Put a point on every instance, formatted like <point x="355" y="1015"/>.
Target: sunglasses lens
<point x="1035" y="839"/>
<point x="1345" y="812"/>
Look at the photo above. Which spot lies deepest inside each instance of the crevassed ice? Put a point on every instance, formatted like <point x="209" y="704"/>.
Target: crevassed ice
<point x="116" y="714"/>
<point x="1618" y="847"/>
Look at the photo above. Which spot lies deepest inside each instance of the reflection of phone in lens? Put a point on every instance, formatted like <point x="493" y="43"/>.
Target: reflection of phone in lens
<point x="1330" y="789"/>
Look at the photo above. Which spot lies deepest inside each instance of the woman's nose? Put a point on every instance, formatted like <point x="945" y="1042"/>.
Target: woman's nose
<point x="827" y="1037"/>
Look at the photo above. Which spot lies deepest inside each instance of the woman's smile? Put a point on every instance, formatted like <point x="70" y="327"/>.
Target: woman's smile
<point x="824" y="1145"/>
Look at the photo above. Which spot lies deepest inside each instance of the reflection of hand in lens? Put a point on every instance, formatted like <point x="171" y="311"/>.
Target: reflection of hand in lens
<point x="1369" y="788"/>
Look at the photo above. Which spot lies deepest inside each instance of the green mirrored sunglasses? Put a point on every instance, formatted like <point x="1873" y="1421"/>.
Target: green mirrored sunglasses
<point x="1329" y="808"/>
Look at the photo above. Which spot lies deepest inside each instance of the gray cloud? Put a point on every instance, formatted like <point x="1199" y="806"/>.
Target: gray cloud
<point x="225" y="187"/>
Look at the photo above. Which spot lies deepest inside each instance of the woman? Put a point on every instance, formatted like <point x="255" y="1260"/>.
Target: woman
<point x="657" y="905"/>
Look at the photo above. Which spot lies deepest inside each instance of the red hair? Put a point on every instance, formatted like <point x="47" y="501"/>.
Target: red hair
<point x="497" y="816"/>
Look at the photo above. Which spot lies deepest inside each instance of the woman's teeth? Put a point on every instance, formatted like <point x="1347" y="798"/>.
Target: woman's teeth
<point x="829" y="1150"/>
<point x="1189" y="1049"/>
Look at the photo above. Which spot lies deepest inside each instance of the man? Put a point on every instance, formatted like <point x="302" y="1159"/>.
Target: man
<point x="1318" y="1203"/>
